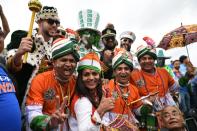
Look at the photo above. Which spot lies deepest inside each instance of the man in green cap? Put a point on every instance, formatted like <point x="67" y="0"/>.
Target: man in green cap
<point x="161" y="58"/>
<point x="150" y="79"/>
<point x="49" y="97"/>
<point x="126" y="95"/>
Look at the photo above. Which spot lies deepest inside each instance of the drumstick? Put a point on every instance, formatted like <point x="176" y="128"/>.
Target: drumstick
<point x="144" y="97"/>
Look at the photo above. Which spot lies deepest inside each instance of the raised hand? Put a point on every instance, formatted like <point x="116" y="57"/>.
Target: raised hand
<point x="105" y="105"/>
<point x="25" y="46"/>
<point x="58" y="117"/>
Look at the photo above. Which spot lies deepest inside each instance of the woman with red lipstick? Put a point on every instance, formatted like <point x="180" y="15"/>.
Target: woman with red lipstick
<point x="88" y="104"/>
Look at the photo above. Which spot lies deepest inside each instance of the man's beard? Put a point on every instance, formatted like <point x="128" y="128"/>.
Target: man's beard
<point x="127" y="47"/>
<point x="110" y="47"/>
<point x="48" y="34"/>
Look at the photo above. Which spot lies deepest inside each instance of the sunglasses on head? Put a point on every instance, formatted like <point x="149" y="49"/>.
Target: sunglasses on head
<point x="126" y="40"/>
<point x="51" y="22"/>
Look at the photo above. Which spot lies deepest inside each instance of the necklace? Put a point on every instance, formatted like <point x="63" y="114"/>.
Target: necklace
<point x="95" y="96"/>
<point x="123" y="85"/>
<point x="66" y="95"/>
<point x="59" y="79"/>
<point x="122" y="94"/>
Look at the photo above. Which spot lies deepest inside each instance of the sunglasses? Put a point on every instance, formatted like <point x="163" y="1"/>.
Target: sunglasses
<point x="127" y="40"/>
<point x="51" y="22"/>
<point x="110" y="38"/>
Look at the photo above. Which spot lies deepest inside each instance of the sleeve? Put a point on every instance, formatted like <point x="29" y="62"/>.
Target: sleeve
<point x="86" y="116"/>
<point x="137" y="105"/>
<point x="134" y="76"/>
<point x="35" y="94"/>
<point x="11" y="65"/>
<point x="34" y="105"/>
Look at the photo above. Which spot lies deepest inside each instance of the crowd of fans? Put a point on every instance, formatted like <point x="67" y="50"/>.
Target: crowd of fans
<point x="87" y="80"/>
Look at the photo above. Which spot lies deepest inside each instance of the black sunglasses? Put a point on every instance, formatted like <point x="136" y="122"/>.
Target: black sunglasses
<point x="110" y="38"/>
<point x="51" y="22"/>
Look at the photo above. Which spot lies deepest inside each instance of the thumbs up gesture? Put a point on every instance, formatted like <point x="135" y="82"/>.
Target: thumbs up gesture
<point x="105" y="105"/>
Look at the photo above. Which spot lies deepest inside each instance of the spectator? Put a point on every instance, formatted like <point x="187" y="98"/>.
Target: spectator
<point x="38" y="48"/>
<point x="48" y="100"/>
<point x="173" y="119"/>
<point x="89" y="104"/>
<point x="108" y="38"/>
<point x="5" y="30"/>
<point x="126" y="40"/>
<point x="9" y="108"/>
<point x="184" y="60"/>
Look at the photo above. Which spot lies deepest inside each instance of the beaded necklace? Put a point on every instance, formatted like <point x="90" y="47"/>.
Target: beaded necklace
<point x="67" y="96"/>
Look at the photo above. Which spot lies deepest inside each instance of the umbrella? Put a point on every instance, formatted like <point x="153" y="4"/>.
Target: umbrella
<point x="179" y="37"/>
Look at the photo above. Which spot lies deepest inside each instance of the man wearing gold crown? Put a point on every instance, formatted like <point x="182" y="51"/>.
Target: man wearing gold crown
<point x="38" y="48"/>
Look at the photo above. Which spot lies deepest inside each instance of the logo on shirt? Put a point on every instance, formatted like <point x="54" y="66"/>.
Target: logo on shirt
<point x="6" y="85"/>
<point x="140" y="83"/>
<point x="49" y="94"/>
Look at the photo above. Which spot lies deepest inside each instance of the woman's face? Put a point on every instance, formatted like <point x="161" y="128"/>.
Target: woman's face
<point x="90" y="78"/>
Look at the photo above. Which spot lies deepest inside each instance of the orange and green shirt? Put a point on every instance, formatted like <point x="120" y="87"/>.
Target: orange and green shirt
<point x="44" y="89"/>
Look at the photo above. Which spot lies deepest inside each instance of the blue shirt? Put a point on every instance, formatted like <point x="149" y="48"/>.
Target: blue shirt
<point x="10" y="114"/>
<point x="183" y="69"/>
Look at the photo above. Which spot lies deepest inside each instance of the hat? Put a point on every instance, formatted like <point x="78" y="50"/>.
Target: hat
<point x="160" y="53"/>
<point x="122" y="56"/>
<point x="72" y="34"/>
<point x="88" y="19"/>
<point x="90" y="61"/>
<point x="63" y="46"/>
<point x="149" y="41"/>
<point x="146" y="50"/>
<point x="47" y="13"/>
<point x="109" y="31"/>
<point x="16" y="39"/>
<point x="128" y="34"/>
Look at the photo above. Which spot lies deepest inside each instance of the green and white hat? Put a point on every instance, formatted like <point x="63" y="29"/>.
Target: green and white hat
<point x="122" y="56"/>
<point x="88" y="19"/>
<point x="161" y="53"/>
<point x="146" y="50"/>
<point x="90" y="61"/>
<point x="63" y="46"/>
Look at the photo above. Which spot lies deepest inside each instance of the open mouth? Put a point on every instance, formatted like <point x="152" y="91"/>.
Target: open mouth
<point x="172" y="122"/>
<point x="123" y="76"/>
